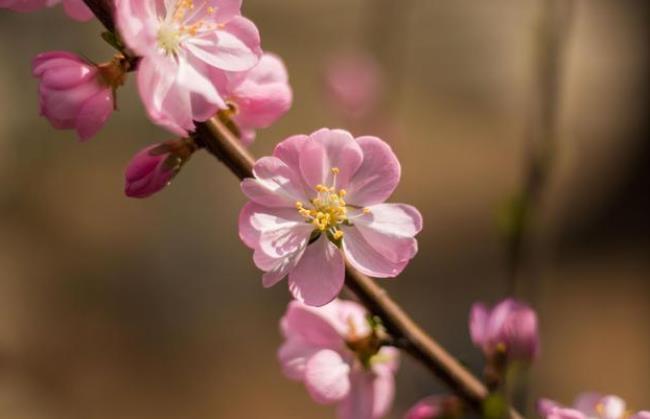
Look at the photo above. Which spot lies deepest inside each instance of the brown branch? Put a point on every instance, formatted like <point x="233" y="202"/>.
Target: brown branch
<point x="217" y="139"/>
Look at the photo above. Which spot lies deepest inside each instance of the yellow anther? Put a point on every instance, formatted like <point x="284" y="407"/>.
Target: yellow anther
<point x="336" y="170"/>
<point x="322" y="188"/>
<point x="342" y="193"/>
<point x="211" y="10"/>
<point x="338" y="235"/>
<point x="299" y="205"/>
<point x="366" y="210"/>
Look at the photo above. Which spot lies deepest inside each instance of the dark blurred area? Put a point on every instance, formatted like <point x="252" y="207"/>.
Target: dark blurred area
<point x="119" y="308"/>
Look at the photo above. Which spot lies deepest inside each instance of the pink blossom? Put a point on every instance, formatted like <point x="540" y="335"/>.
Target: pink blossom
<point x="510" y="328"/>
<point x="589" y="406"/>
<point x="321" y="194"/>
<point x="153" y="168"/>
<point x="434" y="407"/>
<point x="332" y="351"/>
<point x="73" y="93"/>
<point x="184" y="48"/>
<point x="354" y="84"/>
<point x="260" y="96"/>
<point x="76" y="9"/>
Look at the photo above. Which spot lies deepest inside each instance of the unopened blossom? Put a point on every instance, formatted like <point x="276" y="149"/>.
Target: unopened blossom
<point x="319" y="196"/>
<point x="332" y="350"/>
<point x="75" y="94"/>
<point x="259" y="97"/>
<point x="76" y="9"/>
<point x="184" y="47"/>
<point x="153" y="168"/>
<point x="435" y="407"/>
<point x="509" y="329"/>
<point x="589" y="406"/>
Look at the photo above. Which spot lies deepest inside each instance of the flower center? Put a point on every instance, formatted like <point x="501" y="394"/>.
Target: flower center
<point x="169" y="38"/>
<point x="328" y="210"/>
<point x="181" y="22"/>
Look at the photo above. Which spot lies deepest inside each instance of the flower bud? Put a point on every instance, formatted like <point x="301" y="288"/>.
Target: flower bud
<point x="153" y="168"/>
<point x="434" y="407"/>
<point x="73" y="93"/>
<point x="510" y="330"/>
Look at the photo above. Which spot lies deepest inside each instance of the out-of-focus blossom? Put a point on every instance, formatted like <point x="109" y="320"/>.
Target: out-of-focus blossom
<point x="76" y="9"/>
<point x="434" y="407"/>
<point x="320" y="194"/>
<point x="153" y="168"/>
<point x="75" y="94"/>
<point x="354" y="84"/>
<point x="185" y="47"/>
<point x="259" y="97"/>
<point x="589" y="406"/>
<point x="509" y="329"/>
<point x="334" y="352"/>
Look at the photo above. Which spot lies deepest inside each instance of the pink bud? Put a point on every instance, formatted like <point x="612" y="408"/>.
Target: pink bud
<point x="150" y="171"/>
<point x="73" y="95"/>
<point x="510" y="329"/>
<point x="433" y="407"/>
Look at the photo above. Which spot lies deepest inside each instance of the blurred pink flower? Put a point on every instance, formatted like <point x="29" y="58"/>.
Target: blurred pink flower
<point x="434" y="407"/>
<point x="260" y="96"/>
<point x="184" y="48"/>
<point x="509" y="328"/>
<point x="320" y="194"/>
<point x="73" y="93"/>
<point x="589" y="406"/>
<point x="354" y="84"/>
<point x="428" y="408"/>
<point x="318" y="351"/>
<point x="76" y="9"/>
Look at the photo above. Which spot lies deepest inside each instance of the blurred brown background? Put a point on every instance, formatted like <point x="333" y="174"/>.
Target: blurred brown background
<point x="119" y="308"/>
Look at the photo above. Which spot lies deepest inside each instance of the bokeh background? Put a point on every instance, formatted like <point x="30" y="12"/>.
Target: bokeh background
<point x="120" y="308"/>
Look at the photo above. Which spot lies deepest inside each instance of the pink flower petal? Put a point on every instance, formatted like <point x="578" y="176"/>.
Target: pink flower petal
<point x="377" y="177"/>
<point x="263" y="95"/>
<point x="370" y="397"/>
<point x="230" y="49"/>
<point x="312" y="325"/>
<point x="289" y="151"/>
<point x="225" y="10"/>
<point x="320" y="274"/>
<point x="478" y="319"/>
<point x="78" y="10"/>
<point x="94" y="113"/>
<point x="193" y="77"/>
<point x="165" y="105"/>
<point x="247" y="232"/>
<point x="275" y="184"/>
<point x="282" y="266"/>
<point x="363" y="256"/>
<point x="327" y="149"/>
<point x="389" y="228"/>
<point x="293" y="356"/>
<point x="326" y="377"/>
